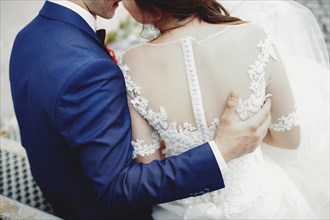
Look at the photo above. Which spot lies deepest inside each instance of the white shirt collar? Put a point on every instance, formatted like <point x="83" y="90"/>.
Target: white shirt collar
<point x="86" y="15"/>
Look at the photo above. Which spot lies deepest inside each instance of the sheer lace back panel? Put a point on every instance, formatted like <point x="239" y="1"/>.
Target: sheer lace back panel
<point x="161" y="72"/>
<point x="189" y="76"/>
<point x="180" y="90"/>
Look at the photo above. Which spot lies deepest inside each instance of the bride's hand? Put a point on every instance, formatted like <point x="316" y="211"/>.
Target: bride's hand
<point x="236" y="139"/>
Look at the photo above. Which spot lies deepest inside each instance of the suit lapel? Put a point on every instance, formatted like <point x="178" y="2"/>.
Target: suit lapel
<point x="60" y="13"/>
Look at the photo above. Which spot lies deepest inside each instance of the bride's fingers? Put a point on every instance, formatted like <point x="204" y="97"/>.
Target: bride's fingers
<point x="229" y="112"/>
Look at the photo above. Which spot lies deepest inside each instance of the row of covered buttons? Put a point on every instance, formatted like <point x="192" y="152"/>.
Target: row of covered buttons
<point x="194" y="86"/>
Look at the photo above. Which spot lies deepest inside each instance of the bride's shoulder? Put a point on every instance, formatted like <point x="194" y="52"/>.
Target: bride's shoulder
<point x="248" y="28"/>
<point x="134" y="52"/>
<point x="133" y="49"/>
<point x="243" y="34"/>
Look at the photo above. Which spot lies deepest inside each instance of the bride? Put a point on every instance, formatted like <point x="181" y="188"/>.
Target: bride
<point x="177" y="86"/>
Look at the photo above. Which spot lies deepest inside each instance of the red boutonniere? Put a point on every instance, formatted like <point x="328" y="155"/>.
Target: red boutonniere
<point x="112" y="54"/>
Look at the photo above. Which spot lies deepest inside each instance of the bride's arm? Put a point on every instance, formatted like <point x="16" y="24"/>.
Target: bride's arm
<point x="284" y="131"/>
<point x="145" y="141"/>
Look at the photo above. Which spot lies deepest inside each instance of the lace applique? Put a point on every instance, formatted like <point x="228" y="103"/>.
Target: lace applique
<point x="286" y="123"/>
<point x="258" y="83"/>
<point x="156" y="119"/>
<point x="178" y="139"/>
<point x="144" y="150"/>
<point x="241" y="186"/>
<point x="131" y="87"/>
<point x="214" y="124"/>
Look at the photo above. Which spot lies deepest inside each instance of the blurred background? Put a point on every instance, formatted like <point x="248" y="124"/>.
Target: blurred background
<point x="122" y="32"/>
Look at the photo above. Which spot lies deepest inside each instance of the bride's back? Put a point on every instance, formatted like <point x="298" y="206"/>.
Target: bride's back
<point x="220" y="56"/>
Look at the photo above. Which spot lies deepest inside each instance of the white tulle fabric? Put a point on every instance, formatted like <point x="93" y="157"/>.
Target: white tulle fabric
<point x="189" y="87"/>
<point x="305" y="56"/>
<point x="294" y="26"/>
<point x="144" y="150"/>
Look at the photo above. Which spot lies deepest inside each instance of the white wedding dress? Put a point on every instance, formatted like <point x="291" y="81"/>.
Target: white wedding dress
<point x="299" y="39"/>
<point x="180" y="88"/>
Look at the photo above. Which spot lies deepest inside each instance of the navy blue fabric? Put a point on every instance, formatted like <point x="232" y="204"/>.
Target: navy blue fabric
<point x="70" y="102"/>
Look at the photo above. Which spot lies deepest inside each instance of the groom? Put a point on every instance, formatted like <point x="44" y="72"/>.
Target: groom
<point x="70" y="102"/>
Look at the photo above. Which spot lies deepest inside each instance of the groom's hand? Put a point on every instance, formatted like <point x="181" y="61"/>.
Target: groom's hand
<point x="236" y="139"/>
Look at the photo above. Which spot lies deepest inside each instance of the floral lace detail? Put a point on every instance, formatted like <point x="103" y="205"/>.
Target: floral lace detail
<point x="156" y="119"/>
<point x="286" y="123"/>
<point x="258" y="83"/>
<point x="131" y="87"/>
<point x="242" y="189"/>
<point x="143" y="150"/>
<point x="177" y="138"/>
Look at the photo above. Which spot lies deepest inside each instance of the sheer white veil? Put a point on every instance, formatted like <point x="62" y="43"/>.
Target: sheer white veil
<point x="291" y="24"/>
<point x="303" y="50"/>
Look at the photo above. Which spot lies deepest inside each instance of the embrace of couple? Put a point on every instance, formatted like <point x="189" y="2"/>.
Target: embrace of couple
<point x="173" y="131"/>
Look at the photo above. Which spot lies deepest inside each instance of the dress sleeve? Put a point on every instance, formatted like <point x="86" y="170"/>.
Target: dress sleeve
<point x="284" y="110"/>
<point x="145" y="141"/>
<point x="143" y="149"/>
<point x="284" y="130"/>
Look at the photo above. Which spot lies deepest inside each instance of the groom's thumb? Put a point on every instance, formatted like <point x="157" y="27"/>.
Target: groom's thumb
<point x="229" y="112"/>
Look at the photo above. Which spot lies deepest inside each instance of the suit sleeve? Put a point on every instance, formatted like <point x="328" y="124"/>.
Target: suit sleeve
<point x="93" y="118"/>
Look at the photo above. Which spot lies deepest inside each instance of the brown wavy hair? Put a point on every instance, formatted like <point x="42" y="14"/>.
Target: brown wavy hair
<point x="209" y="11"/>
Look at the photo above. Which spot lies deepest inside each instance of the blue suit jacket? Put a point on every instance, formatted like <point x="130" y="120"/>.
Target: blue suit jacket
<point x="70" y="102"/>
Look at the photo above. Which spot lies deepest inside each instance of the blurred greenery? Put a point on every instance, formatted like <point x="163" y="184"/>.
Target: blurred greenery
<point x="126" y="34"/>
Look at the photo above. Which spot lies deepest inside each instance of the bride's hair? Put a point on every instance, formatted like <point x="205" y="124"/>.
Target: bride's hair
<point x="209" y="11"/>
